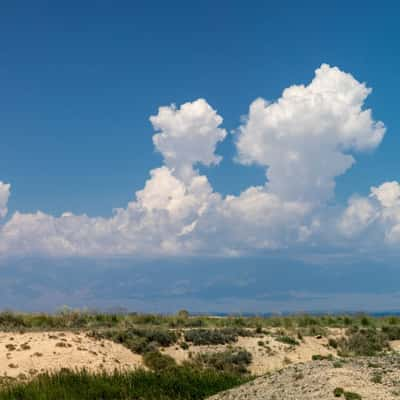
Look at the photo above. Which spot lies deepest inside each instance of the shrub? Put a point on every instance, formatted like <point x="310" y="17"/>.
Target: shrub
<point x="214" y="336"/>
<point x="337" y="392"/>
<point x="297" y="376"/>
<point x="139" y="340"/>
<point x="233" y="361"/>
<point x="299" y="335"/>
<point x="157" y="361"/>
<point x="333" y="343"/>
<point x="287" y="340"/>
<point x="312" y="330"/>
<point x="316" y="357"/>
<point x="184" y="314"/>
<point x="365" y="320"/>
<point x="9" y="320"/>
<point x="184" y="345"/>
<point x="363" y="342"/>
<point x="373" y="365"/>
<point x="337" y="364"/>
<point x="347" y="321"/>
<point x="376" y="377"/>
<point x="393" y="320"/>
<point x="391" y="332"/>
<point x="308" y="320"/>
<point x="352" y="396"/>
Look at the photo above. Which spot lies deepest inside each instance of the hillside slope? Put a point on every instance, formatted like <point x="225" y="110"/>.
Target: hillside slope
<point x="375" y="378"/>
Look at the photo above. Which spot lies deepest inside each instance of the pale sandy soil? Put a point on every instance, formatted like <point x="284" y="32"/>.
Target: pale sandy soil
<point x="395" y="345"/>
<point x="273" y="355"/>
<point x="34" y="352"/>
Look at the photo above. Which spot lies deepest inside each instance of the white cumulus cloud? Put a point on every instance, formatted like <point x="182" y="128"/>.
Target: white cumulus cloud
<point x="305" y="140"/>
<point x="380" y="212"/>
<point x="360" y="213"/>
<point x="188" y="135"/>
<point x="304" y="137"/>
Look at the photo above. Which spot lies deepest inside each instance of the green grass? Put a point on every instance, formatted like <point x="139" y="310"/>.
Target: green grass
<point x="179" y="383"/>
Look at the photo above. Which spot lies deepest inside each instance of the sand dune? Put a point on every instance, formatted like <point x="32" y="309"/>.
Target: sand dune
<point x="26" y="354"/>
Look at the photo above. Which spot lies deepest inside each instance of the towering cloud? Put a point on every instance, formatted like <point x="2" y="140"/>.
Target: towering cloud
<point x="305" y="136"/>
<point x="188" y="135"/>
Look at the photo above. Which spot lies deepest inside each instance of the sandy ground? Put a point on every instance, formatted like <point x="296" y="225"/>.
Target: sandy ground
<point x="395" y="345"/>
<point x="270" y="356"/>
<point x="27" y="354"/>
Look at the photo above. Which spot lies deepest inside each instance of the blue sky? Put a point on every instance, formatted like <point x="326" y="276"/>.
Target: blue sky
<point x="78" y="84"/>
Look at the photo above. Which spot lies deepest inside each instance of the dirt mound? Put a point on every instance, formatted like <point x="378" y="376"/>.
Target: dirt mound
<point x="375" y="378"/>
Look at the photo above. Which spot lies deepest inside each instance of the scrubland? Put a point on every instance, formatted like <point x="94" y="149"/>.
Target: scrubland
<point x="89" y="355"/>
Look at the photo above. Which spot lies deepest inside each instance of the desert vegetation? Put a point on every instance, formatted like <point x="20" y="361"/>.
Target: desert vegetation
<point x="86" y="319"/>
<point x="179" y="356"/>
<point x="216" y="336"/>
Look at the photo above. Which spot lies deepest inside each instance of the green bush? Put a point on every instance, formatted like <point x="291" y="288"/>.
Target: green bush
<point x="215" y="336"/>
<point x="233" y="361"/>
<point x="337" y="392"/>
<point x="184" y="345"/>
<point x="157" y="361"/>
<point x="333" y="343"/>
<point x="320" y="357"/>
<point x="391" y="332"/>
<point x="139" y="340"/>
<point x="287" y="340"/>
<point x="313" y="330"/>
<point x="9" y="320"/>
<point x="377" y="377"/>
<point x="363" y="342"/>
<point x="337" y="364"/>
<point x="352" y="396"/>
